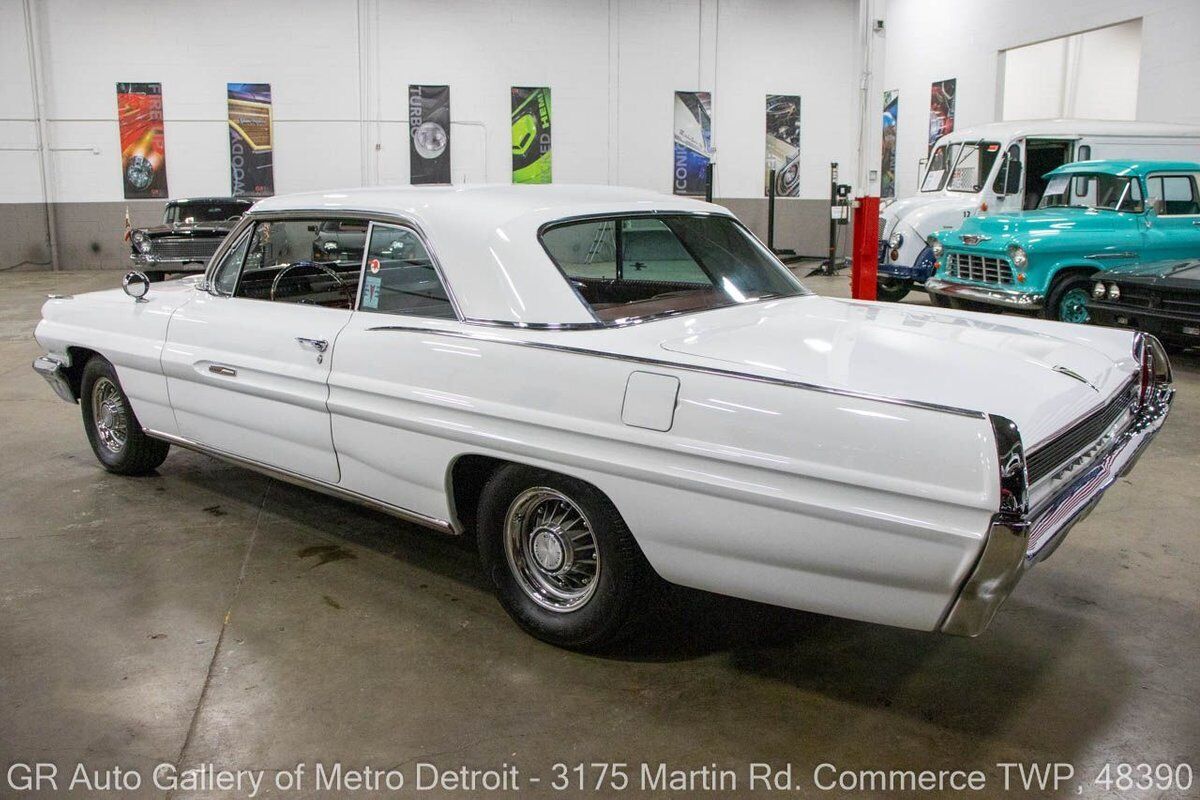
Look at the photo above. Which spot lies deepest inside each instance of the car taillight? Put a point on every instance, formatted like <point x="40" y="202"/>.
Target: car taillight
<point x="1147" y="374"/>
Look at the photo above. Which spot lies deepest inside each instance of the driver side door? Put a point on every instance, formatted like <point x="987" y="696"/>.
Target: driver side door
<point x="248" y="365"/>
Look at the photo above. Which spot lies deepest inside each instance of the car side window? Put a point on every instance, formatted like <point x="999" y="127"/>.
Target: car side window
<point x="226" y="274"/>
<point x="399" y="277"/>
<point x="313" y="261"/>
<point x="1173" y="195"/>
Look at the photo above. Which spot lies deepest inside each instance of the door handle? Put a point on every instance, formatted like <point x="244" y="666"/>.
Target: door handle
<point x="320" y="345"/>
<point x="221" y="369"/>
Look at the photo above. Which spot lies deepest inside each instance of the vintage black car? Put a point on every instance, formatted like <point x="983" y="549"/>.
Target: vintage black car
<point x="1162" y="298"/>
<point x="189" y="234"/>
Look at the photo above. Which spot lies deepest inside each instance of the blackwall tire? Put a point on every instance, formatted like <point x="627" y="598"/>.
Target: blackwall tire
<point x="112" y="428"/>
<point x="1067" y="299"/>
<point x="941" y="301"/>
<point x="891" y="290"/>
<point x="563" y="563"/>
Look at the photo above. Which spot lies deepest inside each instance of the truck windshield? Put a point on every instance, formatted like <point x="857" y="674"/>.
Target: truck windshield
<point x="971" y="166"/>
<point x="1100" y="191"/>
<point x="635" y="267"/>
<point x="935" y="175"/>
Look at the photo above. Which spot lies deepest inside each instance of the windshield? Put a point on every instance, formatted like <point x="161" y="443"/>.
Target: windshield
<point x="935" y="175"/>
<point x="641" y="266"/>
<point x="970" y="166"/>
<point x="190" y="213"/>
<point x="1099" y="191"/>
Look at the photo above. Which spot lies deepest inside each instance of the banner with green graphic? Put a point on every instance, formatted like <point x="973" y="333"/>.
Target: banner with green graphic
<point x="531" y="134"/>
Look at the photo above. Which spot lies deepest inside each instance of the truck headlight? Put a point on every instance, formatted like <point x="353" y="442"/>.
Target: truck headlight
<point x="1114" y="292"/>
<point x="895" y="240"/>
<point x="1098" y="291"/>
<point x="143" y="244"/>
<point x="935" y="246"/>
<point x="1018" y="256"/>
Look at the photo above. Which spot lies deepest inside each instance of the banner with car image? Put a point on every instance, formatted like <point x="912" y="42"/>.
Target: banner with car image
<point x="693" y="142"/>
<point x="941" y="109"/>
<point x="531" y="134"/>
<point x="251" y="157"/>
<point x="783" y="145"/>
<point x="887" y="167"/>
<point x="429" y="134"/>
<point x="143" y="143"/>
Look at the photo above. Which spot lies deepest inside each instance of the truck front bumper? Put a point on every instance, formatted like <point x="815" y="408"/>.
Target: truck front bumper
<point x="1008" y="298"/>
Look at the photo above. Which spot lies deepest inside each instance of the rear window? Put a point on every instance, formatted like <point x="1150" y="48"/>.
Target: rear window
<point x="635" y="267"/>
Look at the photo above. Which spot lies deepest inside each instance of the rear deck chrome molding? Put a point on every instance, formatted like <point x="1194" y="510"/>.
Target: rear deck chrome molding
<point x="685" y="367"/>
<point x="307" y="482"/>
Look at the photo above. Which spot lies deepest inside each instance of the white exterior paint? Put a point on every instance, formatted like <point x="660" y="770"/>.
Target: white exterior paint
<point x="823" y="454"/>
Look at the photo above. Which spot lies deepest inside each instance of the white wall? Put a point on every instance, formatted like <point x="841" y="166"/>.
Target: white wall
<point x="340" y="97"/>
<point x="928" y="40"/>
<point x="1091" y="75"/>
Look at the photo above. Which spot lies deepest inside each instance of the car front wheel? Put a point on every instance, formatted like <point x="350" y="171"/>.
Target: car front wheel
<point x="112" y="429"/>
<point x="892" y="290"/>
<point x="564" y="564"/>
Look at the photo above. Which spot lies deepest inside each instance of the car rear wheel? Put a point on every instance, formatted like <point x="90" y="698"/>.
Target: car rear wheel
<point x="112" y="429"/>
<point x="1068" y="298"/>
<point x="564" y="564"/>
<point x="892" y="290"/>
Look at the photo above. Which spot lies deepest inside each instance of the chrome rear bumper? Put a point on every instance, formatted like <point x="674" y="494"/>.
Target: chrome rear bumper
<point x="1009" y="298"/>
<point x="1018" y="539"/>
<point x="53" y="370"/>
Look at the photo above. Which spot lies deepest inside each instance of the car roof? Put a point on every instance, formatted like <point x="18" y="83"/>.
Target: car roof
<point x="182" y="201"/>
<point x="485" y="237"/>
<point x="1124" y="167"/>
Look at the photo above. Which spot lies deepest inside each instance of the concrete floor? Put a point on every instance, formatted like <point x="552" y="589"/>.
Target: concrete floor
<point x="210" y="615"/>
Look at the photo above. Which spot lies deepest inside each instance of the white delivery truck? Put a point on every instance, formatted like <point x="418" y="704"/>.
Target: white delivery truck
<point x="999" y="167"/>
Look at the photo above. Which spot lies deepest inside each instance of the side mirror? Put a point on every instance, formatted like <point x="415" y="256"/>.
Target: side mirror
<point x="1012" y="181"/>
<point x="136" y="284"/>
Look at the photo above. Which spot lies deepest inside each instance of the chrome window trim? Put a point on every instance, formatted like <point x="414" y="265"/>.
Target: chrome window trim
<point x="339" y="213"/>
<point x="437" y="269"/>
<point x="666" y="364"/>
<point x="617" y="216"/>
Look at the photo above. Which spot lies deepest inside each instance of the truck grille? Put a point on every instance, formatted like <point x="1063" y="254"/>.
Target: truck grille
<point x="179" y="248"/>
<point x="970" y="267"/>
<point x="1054" y="454"/>
<point x="1169" y="301"/>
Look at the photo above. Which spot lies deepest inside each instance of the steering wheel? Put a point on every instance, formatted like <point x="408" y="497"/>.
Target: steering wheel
<point x="337" y="278"/>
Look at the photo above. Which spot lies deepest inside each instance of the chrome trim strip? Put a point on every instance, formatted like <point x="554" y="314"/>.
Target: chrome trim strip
<point x="306" y="482"/>
<point x="1112" y="255"/>
<point x="665" y="364"/>
<point x="1008" y="298"/>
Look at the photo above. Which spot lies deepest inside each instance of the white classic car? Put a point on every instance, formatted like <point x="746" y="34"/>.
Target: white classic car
<point x="607" y="386"/>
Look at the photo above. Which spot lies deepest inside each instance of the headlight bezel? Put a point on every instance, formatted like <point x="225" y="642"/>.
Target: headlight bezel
<point x="143" y="244"/>
<point x="1099" y="291"/>
<point x="1114" y="293"/>
<point x="935" y="246"/>
<point x="895" y="240"/>
<point x="1018" y="255"/>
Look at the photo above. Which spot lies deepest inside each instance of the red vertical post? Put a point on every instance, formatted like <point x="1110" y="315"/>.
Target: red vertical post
<point x="864" y="263"/>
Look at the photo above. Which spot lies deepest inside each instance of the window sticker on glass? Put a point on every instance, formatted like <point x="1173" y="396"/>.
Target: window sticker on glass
<point x="370" y="295"/>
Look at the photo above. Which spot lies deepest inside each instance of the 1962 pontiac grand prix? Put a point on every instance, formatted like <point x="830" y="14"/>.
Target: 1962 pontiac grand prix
<point x="605" y="386"/>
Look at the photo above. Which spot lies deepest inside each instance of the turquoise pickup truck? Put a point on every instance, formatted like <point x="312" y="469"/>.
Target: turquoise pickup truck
<point x="1093" y="216"/>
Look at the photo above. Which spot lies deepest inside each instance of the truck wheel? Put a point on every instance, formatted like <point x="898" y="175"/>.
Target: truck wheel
<point x="892" y="290"/>
<point x="564" y="564"/>
<point x="1067" y="300"/>
<point x="112" y="429"/>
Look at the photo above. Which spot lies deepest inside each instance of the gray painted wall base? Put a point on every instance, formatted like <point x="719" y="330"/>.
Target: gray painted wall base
<point x="91" y="235"/>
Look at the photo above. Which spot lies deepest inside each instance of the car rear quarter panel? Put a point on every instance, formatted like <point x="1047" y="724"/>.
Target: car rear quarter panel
<point x="801" y="498"/>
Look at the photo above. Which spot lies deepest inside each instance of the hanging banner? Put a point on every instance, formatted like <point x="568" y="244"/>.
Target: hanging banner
<point x="783" y="145"/>
<point x="251" y="159"/>
<point x="693" y="142"/>
<point x="531" y="134"/>
<point x="941" y="109"/>
<point x="143" y="145"/>
<point x="887" y="167"/>
<point x="429" y="134"/>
